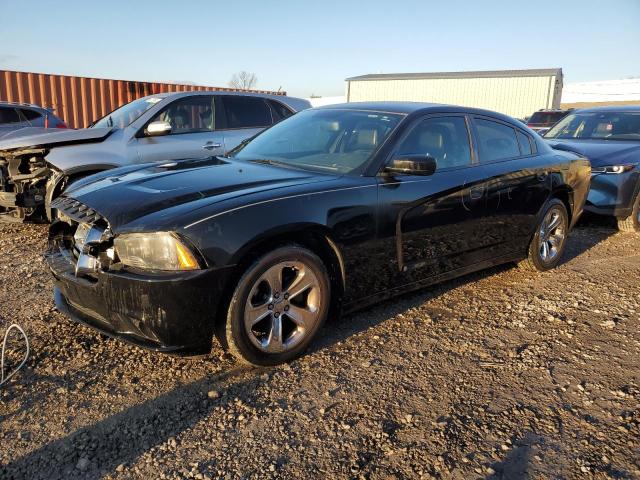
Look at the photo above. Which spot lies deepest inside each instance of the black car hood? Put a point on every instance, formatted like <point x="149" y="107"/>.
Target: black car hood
<point x="46" y="137"/>
<point x="601" y="152"/>
<point x="125" y="194"/>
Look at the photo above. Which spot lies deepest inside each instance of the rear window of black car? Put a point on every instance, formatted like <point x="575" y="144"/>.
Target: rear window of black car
<point x="525" y="143"/>
<point x="497" y="140"/>
<point x="246" y="112"/>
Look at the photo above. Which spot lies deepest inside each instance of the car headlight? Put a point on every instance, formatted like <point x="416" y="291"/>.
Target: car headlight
<point x="154" y="251"/>
<point x="615" y="169"/>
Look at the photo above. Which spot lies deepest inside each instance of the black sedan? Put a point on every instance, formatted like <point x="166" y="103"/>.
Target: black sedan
<point x="610" y="138"/>
<point x="330" y="210"/>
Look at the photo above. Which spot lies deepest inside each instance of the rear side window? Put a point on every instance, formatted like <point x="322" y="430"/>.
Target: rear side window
<point x="525" y="143"/>
<point x="280" y="112"/>
<point x="9" y="115"/>
<point x="445" y="139"/>
<point x="496" y="140"/>
<point x="30" y="114"/>
<point x="246" y="112"/>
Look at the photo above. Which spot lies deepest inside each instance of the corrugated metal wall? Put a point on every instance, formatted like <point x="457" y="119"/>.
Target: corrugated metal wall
<point x="82" y="100"/>
<point x="515" y="96"/>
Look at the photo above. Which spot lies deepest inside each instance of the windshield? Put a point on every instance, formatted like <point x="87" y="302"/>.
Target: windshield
<point x="126" y="114"/>
<point x="598" y="125"/>
<point x="328" y="140"/>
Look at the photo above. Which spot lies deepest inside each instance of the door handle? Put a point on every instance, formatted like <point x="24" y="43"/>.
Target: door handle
<point x="211" y="145"/>
<point x="476" y="193"/>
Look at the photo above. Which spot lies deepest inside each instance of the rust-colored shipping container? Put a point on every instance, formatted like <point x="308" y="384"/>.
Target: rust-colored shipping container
<point x="81" y="100"/>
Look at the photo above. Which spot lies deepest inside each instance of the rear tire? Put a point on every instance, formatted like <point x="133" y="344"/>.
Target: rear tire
<point x="278" y="306"/>
<point x="548" y="243"/>
<point x="632" y="222"/>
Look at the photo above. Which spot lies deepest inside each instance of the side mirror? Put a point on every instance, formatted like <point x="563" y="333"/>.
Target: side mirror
<point x="413" y="164"/>
<point x="155" y="129"/>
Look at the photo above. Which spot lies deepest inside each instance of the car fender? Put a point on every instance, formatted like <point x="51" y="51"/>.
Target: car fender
<point x="72" y="159"/>
<point x="225" y="237"/>
<point x="280" y="234"/>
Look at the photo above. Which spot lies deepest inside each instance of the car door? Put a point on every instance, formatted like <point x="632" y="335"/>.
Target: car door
<point x="436" y="222"/>
<point x="192" y="134"/>
<point x="242" y="117"/>
<point x="517" y="183"/>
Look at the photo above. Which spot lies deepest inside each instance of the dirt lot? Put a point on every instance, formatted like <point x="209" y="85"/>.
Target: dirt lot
<point x="502" y="374"/>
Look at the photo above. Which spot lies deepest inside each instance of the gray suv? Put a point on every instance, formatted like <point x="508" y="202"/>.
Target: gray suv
<point x="36" y="165"/>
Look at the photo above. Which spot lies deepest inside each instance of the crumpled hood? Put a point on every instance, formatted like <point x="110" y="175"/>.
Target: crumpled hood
<point x="601" y="152"/>
<point x="47" y="137"/>
<point x="125" y="194"/>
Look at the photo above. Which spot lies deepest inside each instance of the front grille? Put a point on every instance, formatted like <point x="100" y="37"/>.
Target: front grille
<point x="76" y="210"/>
<point x="80" y="239"/>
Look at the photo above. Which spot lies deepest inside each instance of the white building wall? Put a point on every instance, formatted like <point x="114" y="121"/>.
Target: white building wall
<point x="515" y="96"/>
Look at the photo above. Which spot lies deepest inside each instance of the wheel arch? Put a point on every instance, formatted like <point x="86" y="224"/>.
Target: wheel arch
<point x="564" y="193"/>
<point x="316" y="238"/>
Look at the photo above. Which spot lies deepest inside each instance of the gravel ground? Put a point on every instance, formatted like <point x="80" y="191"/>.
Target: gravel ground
<point x="501" y="374"/>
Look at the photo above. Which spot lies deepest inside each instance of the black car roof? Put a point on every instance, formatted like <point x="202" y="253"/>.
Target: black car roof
<point x="406" y="108"/>
<point x="610" y="108"/>
<point x="390" y="107"/>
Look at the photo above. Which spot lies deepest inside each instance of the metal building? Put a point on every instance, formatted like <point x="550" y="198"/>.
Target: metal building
<point x="518" y="93"/>
<point x="81" y="100"/>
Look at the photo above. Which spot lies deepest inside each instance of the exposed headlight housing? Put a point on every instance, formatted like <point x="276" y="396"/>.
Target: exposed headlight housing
<point x="614" y="169"/>
<point x="155" y="251"/>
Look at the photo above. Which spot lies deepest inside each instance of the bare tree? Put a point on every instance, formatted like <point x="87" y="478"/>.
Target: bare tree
<point x="243" y="80"/>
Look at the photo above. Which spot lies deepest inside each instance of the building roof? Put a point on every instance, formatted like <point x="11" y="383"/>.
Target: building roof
<point x="480" y="74"/>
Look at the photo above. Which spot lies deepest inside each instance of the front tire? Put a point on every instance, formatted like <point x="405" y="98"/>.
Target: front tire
<point x="548" y="243"/>
<point x="632" y="222"/>
<point x="278" y="306"/>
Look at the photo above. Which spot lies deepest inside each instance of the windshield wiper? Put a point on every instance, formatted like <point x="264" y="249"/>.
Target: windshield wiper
<point x="297" y="166"/>
<point x="268" y="161"/>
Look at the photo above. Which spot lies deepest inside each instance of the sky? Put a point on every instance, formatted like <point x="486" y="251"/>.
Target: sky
<point x="309" y="48"/>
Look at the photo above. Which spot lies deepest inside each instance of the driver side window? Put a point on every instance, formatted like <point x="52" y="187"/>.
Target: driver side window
<point x="445" y="138"/>
<point x="189" y="115"/>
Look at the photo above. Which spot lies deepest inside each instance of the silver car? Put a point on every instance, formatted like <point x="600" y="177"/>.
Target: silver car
<point x="36" y="165"/>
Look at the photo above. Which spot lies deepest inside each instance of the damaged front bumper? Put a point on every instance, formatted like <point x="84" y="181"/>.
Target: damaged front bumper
<point x="145" y="311"/>
<point x="613" y="194"/>
<point x="172" y="312"/>
<point x="24" y="177"/>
